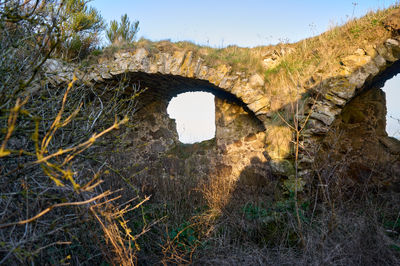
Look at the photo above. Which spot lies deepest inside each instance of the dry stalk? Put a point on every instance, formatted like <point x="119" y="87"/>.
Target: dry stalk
<point x="116" y="231"/>
<point x="298" y="128"/>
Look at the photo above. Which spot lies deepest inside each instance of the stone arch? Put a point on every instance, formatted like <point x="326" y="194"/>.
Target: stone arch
<point x="358" y="72"/>
<point x="351" y="113"/>
<point x="183" y="70"/>
<point x="240" y="134"/>
<point x="166" y="86"/>
<point x="240" y="119"/>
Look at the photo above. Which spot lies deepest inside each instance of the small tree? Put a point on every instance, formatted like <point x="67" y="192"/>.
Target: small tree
<point x="123" y="32"/>
<point x="80" y="28"/>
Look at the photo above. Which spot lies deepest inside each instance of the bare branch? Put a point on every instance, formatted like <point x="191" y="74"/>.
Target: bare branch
<point x="105" y="194"/>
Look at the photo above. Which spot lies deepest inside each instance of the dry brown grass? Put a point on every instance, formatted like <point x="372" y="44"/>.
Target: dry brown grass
<point x="119" y="237"/>
<point x="337" y="230"/>
<point x="239" y="224"/>
<point x="321" y="55"/>
<point x="317" y="56"/>
<point x="217" y="193"/>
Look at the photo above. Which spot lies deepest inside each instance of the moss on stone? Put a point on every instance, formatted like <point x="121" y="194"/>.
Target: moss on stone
<point x="185" y="151"/>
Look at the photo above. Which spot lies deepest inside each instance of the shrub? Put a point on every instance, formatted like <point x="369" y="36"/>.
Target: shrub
<point x="50" y="192"/>
<point x="122" y="33"/>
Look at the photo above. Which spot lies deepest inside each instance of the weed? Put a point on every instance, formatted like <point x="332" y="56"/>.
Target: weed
<point x="185" y="236"/>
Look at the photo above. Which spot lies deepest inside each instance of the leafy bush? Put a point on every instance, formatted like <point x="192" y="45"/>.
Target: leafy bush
<point x="123" y="32"/>
<point x="80" y="27"/>
<point x="50" y="192"/>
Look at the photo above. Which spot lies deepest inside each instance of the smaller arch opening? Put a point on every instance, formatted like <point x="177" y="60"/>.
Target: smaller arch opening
<point x="392" y="91"/>
<point x="194" y="113"/>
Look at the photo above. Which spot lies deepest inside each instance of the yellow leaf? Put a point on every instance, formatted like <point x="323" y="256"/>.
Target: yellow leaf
<point x="137" y="246"/>
<point x="4" y="153"/>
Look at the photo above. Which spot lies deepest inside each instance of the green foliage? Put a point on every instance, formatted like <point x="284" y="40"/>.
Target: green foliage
<point x="112" y="31"/>
<point x="293" y="184"/>
<point x="123" y="32"/>
<point x="375" y="22"/>
<point x="253" y="212"/>
<point x="185" y="236"/>
<point x="275" y="222"/>
<point x="240" y="59"/>
<point x="271" y="71"/>
<point x="276" y="211"/>
<point x="355" y="31"/>
<point x="80" y="28"/>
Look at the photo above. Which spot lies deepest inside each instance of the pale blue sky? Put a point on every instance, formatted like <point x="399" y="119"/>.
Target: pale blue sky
<point x="245" y="23"/>
<point x="248" y="23"/>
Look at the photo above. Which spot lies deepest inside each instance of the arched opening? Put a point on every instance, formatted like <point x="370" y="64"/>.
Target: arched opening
<point x="392" y="91"/>
<point x="166" y="168"/>
<point x="194" y="113"/>
<point x="363" y="141"/>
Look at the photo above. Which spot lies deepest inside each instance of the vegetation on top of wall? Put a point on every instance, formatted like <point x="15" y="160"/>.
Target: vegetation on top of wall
<point x="321" y="55"/>
<point x="313" y="56"/>
<point x="123" y="32"/>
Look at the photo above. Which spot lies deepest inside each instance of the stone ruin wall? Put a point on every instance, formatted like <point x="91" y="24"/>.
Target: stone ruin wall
<point x="357" y="145"/>
<point x="154" y="151"/>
